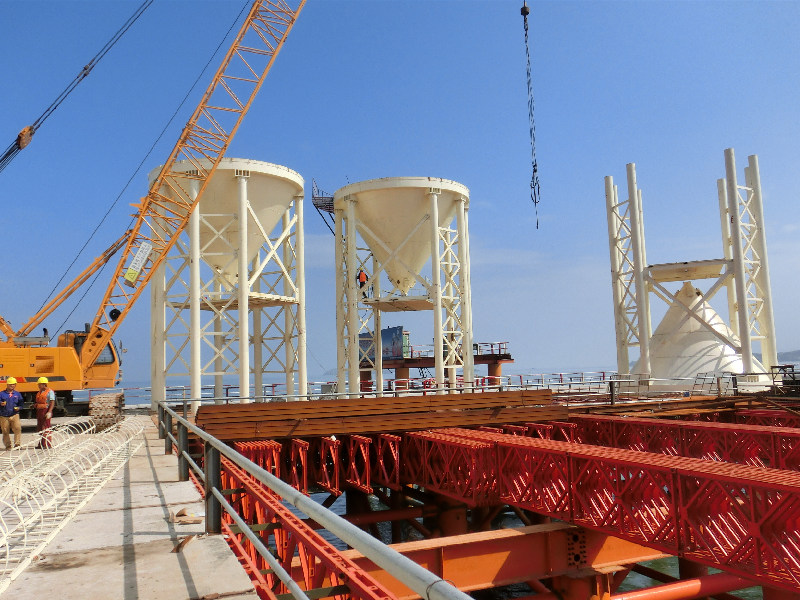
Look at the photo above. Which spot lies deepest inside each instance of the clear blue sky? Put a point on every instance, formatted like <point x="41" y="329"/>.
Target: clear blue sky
<point x="367" y="89"/>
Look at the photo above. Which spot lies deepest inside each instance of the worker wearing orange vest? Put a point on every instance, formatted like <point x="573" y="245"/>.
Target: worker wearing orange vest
<point x="45" y="403"/>
<point x="362" y="278"/>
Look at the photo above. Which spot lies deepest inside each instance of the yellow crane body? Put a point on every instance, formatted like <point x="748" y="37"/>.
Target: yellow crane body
<point x="88" y="359"/>
<point x="61" y="365"/>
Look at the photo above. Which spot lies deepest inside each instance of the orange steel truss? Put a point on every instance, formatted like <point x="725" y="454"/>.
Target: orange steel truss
<point x="769" y="417"/>
<point x="203" y="142"/>
<point x="557" y="552"/>
<point x="742" y="519"/>
<point x="756" y="445"/>
<point x="325" y="572"/>
<point x="710" y="494"/>
<point x="328" y="465"/>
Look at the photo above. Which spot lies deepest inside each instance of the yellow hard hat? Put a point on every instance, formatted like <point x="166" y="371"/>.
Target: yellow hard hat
<point x="11" y="381"/>
<point x="42" y="380"/>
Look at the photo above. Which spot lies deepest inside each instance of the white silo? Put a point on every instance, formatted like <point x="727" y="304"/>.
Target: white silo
<point x="683" y="346"/>
<point x="231" y="296"/>
<point x="389" y="229"/>
<point x="692" y="336"/>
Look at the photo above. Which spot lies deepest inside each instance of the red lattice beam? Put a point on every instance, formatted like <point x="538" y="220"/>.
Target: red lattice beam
<point x="755" y="445"/>
<point x="739" y="518"/>
<point x="292" y="542"/>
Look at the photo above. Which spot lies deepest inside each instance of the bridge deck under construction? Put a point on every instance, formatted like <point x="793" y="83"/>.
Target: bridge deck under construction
<point x="721" y="495"/>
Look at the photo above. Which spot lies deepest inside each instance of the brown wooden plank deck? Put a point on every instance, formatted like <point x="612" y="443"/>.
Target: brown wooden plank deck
<point x="373" y="415"/>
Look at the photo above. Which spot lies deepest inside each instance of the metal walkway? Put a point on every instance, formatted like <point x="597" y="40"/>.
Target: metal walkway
<point x="120" y="545"/>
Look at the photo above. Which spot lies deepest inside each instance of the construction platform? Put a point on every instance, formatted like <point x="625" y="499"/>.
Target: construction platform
<point x="122" y="544"/>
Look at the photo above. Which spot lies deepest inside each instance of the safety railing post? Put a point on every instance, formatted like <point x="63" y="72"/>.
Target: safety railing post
<point x="183" y="449"/>
<point x="167" y="433"/>
<point x="612" y="391"/>
<point x="161" y="434"/>
<point x="213" y="480"/>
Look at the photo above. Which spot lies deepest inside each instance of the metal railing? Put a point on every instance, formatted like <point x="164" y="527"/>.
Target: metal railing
<point x="420" y="580"/>
<point x="567" y="387"/>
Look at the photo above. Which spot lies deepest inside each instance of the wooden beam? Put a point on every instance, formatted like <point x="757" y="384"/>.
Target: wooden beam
<point x="375" y="415"/>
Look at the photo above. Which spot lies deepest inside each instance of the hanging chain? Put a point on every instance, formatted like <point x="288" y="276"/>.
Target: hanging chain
<point x="535" y="191"/>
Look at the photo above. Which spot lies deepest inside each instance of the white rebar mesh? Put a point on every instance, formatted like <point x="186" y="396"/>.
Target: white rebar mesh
<point x="42" y="489"/>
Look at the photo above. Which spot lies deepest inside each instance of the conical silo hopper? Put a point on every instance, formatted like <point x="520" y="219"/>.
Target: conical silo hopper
<point x="681" y="347"/>
<point x="390" y="216"/>
<point x="270" y="189"/>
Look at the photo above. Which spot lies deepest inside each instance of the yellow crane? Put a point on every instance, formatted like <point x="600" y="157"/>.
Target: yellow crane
<point x="88" y="359"/>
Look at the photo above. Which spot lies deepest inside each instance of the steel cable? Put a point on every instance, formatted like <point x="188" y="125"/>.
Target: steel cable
<point x="136" y="171"/>
<point x="24" y="137"/>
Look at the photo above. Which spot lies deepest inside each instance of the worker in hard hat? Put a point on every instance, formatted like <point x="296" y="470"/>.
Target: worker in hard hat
<point x="45" y="403"/>
<point x="10" y="405"/>
<point x="361" y="279"/>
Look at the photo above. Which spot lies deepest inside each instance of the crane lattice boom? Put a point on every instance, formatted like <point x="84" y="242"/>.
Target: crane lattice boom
<point x="203" y="142"/>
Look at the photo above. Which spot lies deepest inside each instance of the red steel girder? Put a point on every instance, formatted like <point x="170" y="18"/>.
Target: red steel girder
<point x="386" y="467"/>
<point x="645" y="435"/>
<point x="760" y="446"/>
<point x="515" y="429"/>
<point x="453" y="466"/>
<point x="766" y="416"/>
<point x="266" y="454"/>
<point x="299" y="465"/>
<point x="328" y="462"/>
<point x="541" y="430"/>
<point x="563" y="431"/>
<point x="738" y="518"/>
<point x="513" y="470"/>
<point x="358" y="463"/>
<point x="290" y="540"/>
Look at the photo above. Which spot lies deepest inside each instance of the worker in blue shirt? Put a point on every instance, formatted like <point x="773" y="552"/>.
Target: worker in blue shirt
<point x="10" y="404"/>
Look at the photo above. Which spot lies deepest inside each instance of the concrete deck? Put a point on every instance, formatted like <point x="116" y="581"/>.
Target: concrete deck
<point x="120" y="545"/>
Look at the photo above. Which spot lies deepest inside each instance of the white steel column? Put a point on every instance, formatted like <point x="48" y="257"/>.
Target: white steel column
<point x="289" y="354"/>
<point x="243" y="296"/>
<point x="765" y="318"/>
<point x="738" y="261"/>
<point x="725" y="229"/>
<point x="377" y="323"/>
<point x="341" y="303"/>
<point x="468" y="271"/>
<point x="353" y="349"/>
<point x="195" y="364"/>
<point x="646" y="326"/>
<point x="300" y="249"/>
<point x="436" y="290"/>
<point x="467" y="355"/>
<point x="617" y="284"/>
<point x="218" y="343"/>
<point x="641" y="290"/>
<point x="158" y="380"/>
<point x="258" y="341"/>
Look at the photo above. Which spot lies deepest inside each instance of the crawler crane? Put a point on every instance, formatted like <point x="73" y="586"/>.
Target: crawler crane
<point x="87" y="358"/>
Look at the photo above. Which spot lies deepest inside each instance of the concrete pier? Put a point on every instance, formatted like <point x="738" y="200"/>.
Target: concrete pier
<point x="121" y="545"/>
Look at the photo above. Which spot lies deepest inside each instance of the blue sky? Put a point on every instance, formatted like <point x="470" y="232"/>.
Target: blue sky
<point x="383" y="88"/>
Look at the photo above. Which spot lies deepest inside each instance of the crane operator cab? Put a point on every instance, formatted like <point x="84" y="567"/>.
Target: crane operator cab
<point x="62" y="365"/>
